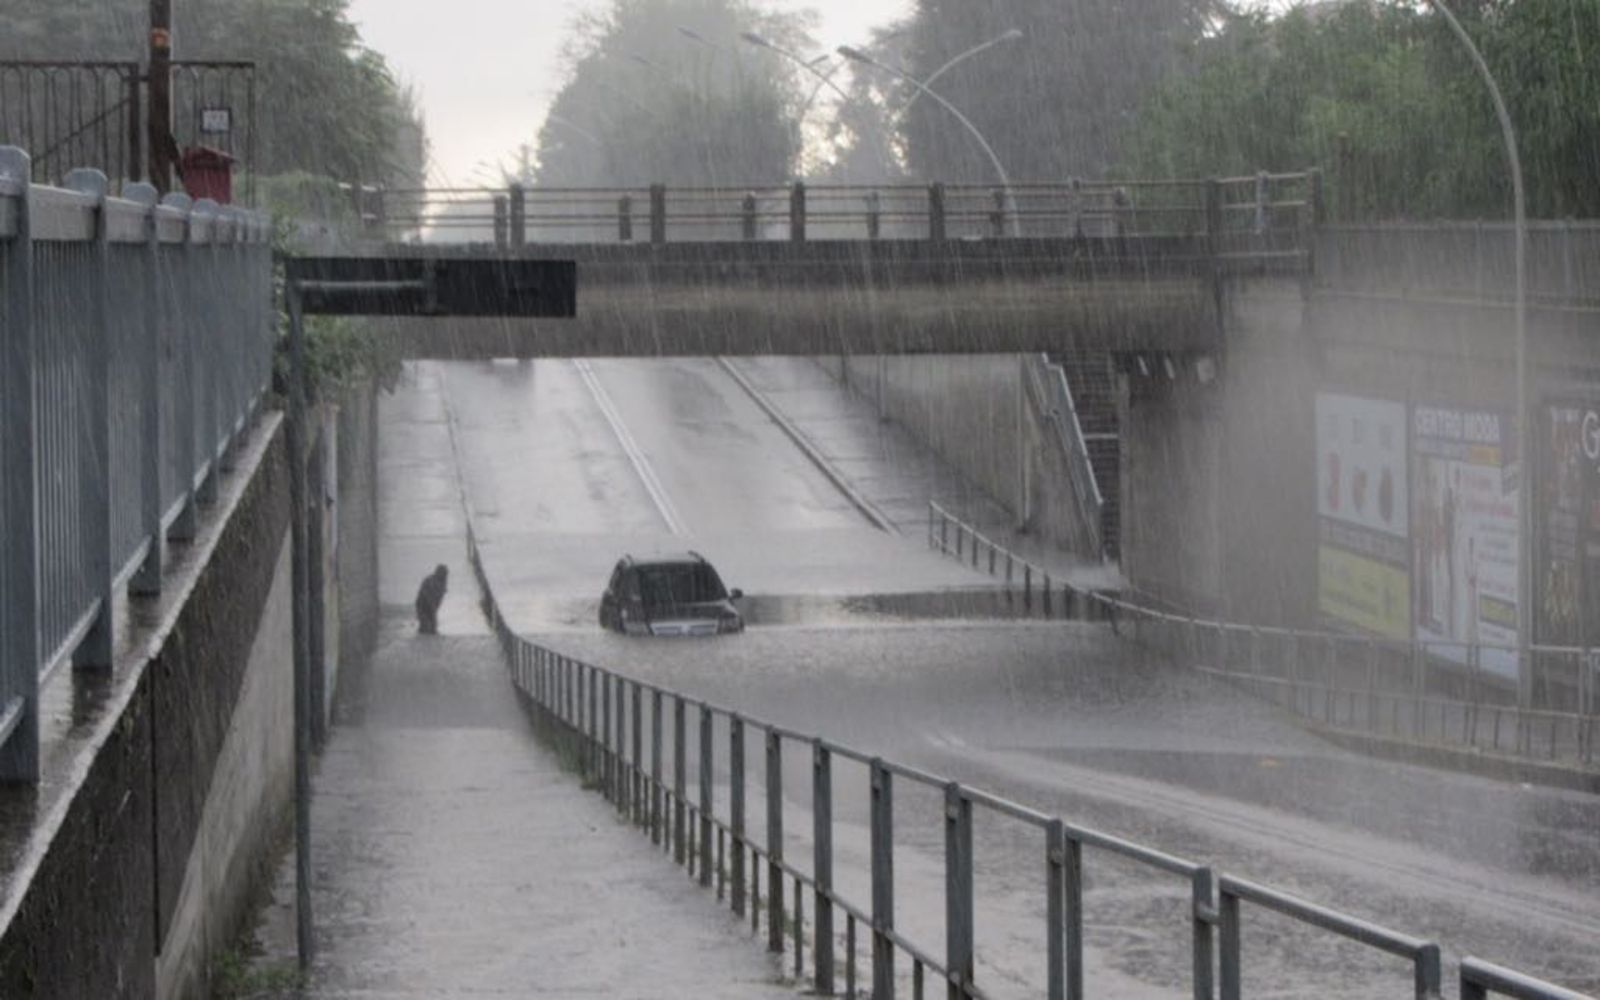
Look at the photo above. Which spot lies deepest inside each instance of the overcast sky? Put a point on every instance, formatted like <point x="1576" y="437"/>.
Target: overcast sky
<point x="487" y="69"/>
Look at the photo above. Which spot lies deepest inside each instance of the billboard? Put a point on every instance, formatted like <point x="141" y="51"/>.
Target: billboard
<point x="1568" y="578"/>
<point x="1464" y="522"/>
<point x="1363" y="559"/>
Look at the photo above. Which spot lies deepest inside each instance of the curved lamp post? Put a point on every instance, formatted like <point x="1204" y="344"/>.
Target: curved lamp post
<point x="1508" y="134"/>
<point x="809" y="67"/>
<point x="1014" y="35"/>
<point x="856" y="55"/>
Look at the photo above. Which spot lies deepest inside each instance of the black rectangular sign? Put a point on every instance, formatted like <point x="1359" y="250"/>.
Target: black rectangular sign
<point x="435" y="286"/>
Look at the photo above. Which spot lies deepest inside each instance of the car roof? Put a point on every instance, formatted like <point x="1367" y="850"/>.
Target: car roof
<point x="666" y="559"/>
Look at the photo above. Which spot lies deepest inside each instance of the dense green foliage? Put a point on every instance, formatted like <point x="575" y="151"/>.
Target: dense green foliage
<point x="1386" y="100"/>
<point x="324" y="104"/>
<point x="1053" y="103"/>
<point x="644" y="102"/>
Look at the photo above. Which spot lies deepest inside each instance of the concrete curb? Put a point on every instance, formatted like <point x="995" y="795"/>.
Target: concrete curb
<point x="1487" y="765"/>
<point x="868" y="509"/>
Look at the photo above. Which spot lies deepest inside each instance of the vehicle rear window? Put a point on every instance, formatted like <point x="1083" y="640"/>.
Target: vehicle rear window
<point x="686" y="584"/>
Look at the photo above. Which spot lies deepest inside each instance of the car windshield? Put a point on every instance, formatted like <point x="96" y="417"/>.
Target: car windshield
<point x="687" y="583"/>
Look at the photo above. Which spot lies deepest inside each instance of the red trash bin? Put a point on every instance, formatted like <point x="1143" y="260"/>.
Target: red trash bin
<point x="207" y="173"/>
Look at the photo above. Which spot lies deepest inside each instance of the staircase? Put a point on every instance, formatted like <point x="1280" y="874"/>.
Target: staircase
<point x="1094" y="396"/>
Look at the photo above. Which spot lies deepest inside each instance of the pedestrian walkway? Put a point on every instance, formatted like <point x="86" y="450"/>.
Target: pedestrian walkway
<point x="453" y="856"/>
<point x="894" y="471"/>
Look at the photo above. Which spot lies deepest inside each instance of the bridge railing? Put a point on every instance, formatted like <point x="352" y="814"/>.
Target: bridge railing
<point x="1261" y="214"/>
<point x="686" y="773"/>
<point x="1441" y="693"/>
<point x="137" y="344"/>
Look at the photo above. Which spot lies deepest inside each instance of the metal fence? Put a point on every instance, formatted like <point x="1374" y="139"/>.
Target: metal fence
<point x="638" y="743"/>
<point x="137" y="345"/>
<point x="1262" y="214"/>
<point x="1439" y="693"/>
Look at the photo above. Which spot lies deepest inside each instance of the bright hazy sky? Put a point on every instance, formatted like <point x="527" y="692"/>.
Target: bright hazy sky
<point x="487" y="69"/>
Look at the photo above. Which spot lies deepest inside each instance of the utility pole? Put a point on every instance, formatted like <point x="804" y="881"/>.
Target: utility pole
<point x="158" y="89"/>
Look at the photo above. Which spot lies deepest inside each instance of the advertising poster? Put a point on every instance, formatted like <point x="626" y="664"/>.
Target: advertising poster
<point x="1363" y="558"/>
<point x="1464" y="532"/>
<point x="1568" y="579"/>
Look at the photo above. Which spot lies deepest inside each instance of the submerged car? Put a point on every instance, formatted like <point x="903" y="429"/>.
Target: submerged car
<point x="669" y="595"/>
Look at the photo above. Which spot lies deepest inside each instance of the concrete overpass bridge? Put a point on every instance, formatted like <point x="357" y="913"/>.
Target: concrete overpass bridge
<point x="853" y="270"/>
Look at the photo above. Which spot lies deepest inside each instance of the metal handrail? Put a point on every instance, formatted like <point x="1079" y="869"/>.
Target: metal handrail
<point x="1053" y="397"/>
<point x="594" y="716"/>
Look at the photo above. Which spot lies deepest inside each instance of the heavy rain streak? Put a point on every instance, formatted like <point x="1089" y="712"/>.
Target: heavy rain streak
<point x="763" y="498"/>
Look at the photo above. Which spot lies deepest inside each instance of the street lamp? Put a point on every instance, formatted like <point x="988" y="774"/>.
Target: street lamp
<point x="855" y="54"/>
<point x="1013" y="35"/>
<point x="1524" y="421"/>
<point x="809" y="67"/>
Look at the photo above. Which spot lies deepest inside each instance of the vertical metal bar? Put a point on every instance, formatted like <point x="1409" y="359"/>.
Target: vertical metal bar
<point x="1228" y="932"/>
<point x="20" y="654"/>
<point x="958" y="906"/>
<point x="184" y="409"/>
<point x="936" y="213"/>
<point x="94" y="502"/>
<point x="882" y="881"/>
<point x="519" y="217"/>
<point x="1055" y="854"/>
<point x="747" y="213"/>
<point x="1072" y="889"/>
<point x="774" y="842"/>
<point x="850" y="956"/>
<point x="158" y="86"/>
<point x="1427" y="974"/>
<point x="680" y="752"/>
<point x="736" y="808"/>
<point x="147" y="581"/>
<point x="822" y="863"/>
<point x="655" y="766"/>
<point x="798" y="925"/>
<point x="296" y="435"/>
<point x="1203" y="914"/>
<point x="636" y="779"/>
<point x="707" y="803"/>
<point x="607" y="788"/>
<point x="587" y="690"/>
<point x="658" y="214"/>
<point x="797" y="212"/>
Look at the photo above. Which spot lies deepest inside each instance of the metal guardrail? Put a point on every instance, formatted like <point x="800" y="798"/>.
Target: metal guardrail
<point x="616" y="729"/>
<point x="1047" y="386"/>
<point x="1440" y="693"/>
<point x="137" y="346"/>
<point x="1264" y="215"/>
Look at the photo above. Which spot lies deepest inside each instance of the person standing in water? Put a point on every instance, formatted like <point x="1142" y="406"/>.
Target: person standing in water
<point x="429" y="596"/>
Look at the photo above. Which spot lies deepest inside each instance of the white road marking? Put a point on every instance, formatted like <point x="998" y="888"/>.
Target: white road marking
<point x="630" y="447"/>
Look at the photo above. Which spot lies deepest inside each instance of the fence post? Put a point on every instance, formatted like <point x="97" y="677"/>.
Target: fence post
<point x="1055" y="861"/>
<point x="502" y="222"/>
<point x="519" y="217"/>
<point x="874" y="215"/>
<point x="680" y="780"/>
<point x="607" y="759"/>
<point x="655" y="766"/>
<point x="822" y="864"/>
<point x="936" y="212"/>
<point x="19" y="555"/>
<point x="706" y="802"/>
<point x="1228" y="964"/>
<point x="147" y="581"/>
<point x="958" y="910"/>
<point x="747" y="216"/>
<point x="658" y="214"/>
<point x="882" y="881"/>
<point x="95" y="510"/>
<point x="1203" y="915"/>
<point x="183" y="350"/>
<point x="1263" y="203"/>
<point x="625" y="219"/>
<point x="736" y="810"/>
<point x="997" y="215"/>
<point x="636" y="773"/>
<point x="797" y="212"/>
<point x="1428" y="976"/>
<point x="774" y="842"/>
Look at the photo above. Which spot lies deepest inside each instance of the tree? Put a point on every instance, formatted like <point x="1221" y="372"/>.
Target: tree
<point x="1383" y="97"/>
<point x="1052" y="104"/>
<point x="325" y="103"/>
<point x="644" y="101"/>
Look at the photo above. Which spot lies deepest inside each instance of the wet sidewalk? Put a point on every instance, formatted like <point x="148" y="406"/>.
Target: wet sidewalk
<point x="452" y="854"/>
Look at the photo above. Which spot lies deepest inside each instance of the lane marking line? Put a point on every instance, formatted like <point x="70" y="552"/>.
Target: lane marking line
<point x="636" y="456"/>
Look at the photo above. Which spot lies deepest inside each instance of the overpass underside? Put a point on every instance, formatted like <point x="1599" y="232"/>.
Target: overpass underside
<point x="853" y="297"/>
